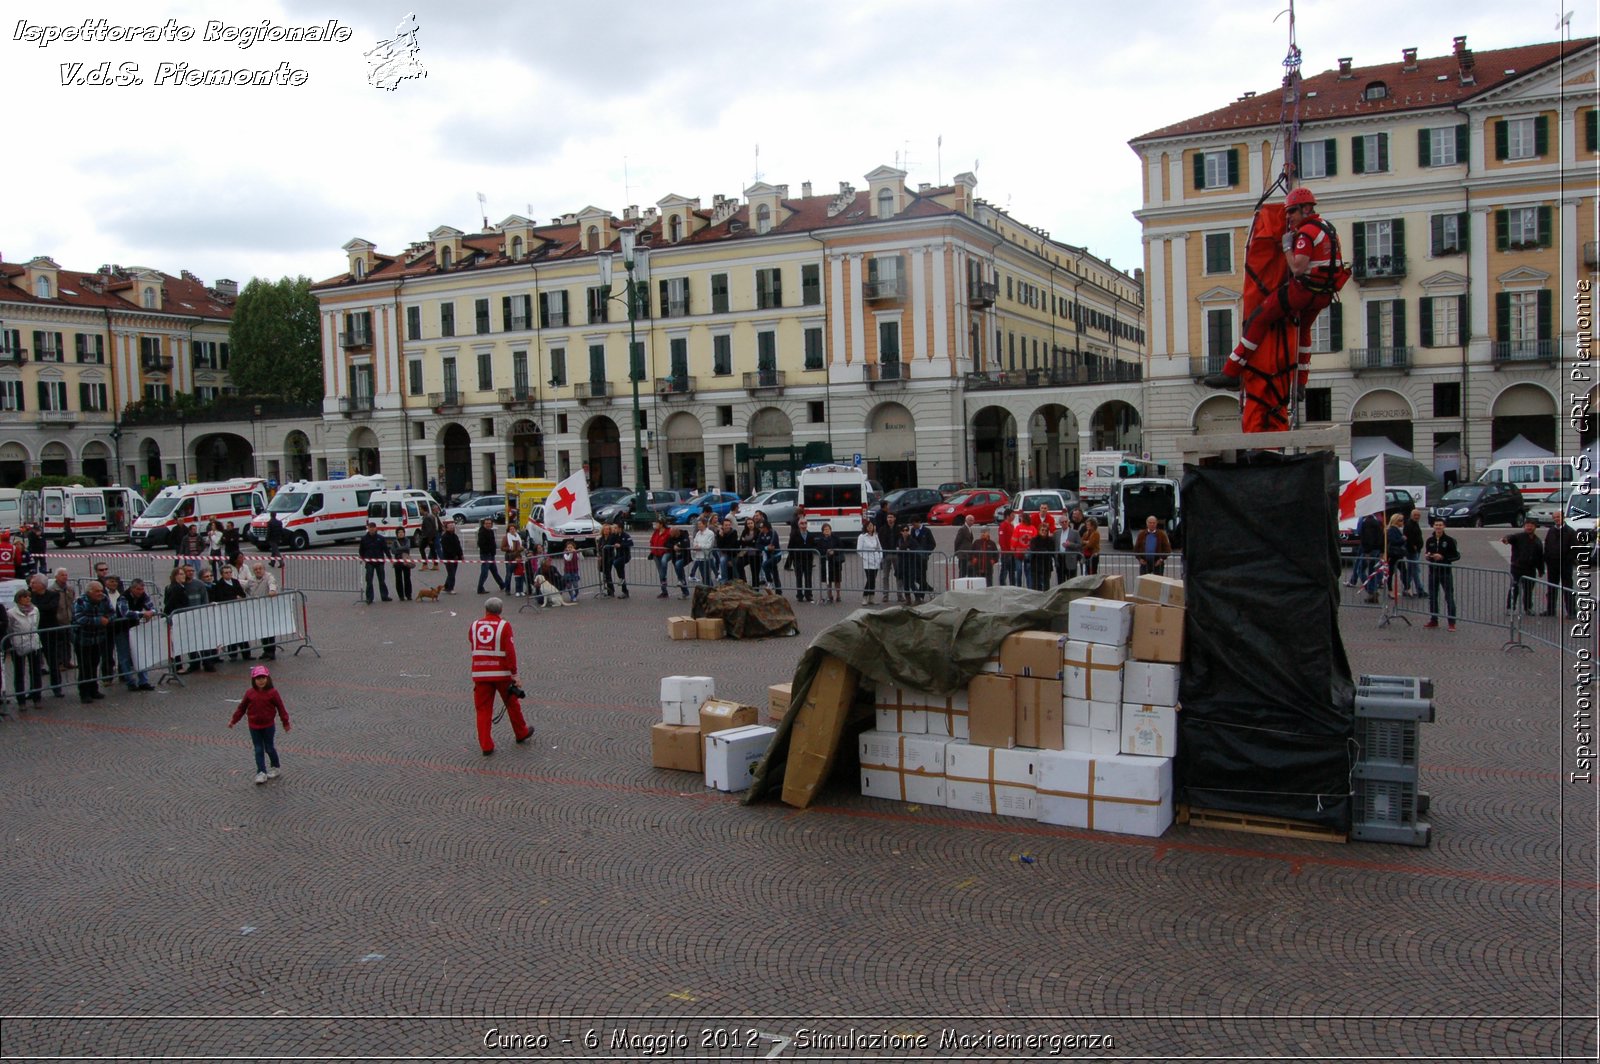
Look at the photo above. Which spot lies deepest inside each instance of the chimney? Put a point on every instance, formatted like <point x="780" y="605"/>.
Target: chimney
<point x="805" y="189"/>
<point x="1465" y="60"/>
<point x="1138" y="277"/>
<point x="187" y="276"/>
<point x="922" y="188"/>
<point x="630" y="212"/>
<point x="1461" y="44"/>
<point x="783" y="191"/>
<point x="1344" y="68"/>
<point x="1409" y="60"/>
<point x="225" y="287"/>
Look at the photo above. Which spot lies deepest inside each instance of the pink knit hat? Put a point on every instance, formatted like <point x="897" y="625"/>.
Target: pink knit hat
<point x="259" y="670"/>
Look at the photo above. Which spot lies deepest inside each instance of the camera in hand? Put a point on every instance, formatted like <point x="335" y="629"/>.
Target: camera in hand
<point x="516" y="691"/>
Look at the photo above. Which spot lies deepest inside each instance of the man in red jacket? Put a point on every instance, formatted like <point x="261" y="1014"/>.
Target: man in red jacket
<point x="494" y="671"/>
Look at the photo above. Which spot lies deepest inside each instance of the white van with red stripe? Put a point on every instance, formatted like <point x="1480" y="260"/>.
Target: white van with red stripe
<point x="179" y="506"/>
<point x="315" y="512"/>
<point x="835" y="495"/>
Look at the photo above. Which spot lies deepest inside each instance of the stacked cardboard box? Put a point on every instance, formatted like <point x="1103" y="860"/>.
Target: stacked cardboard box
<point x="733" y="753"/>
<point x="692" y="628"/>
<point x="1096" y="652"/>
<point x="1149" y="725"/>
<point x="689" y="712"/>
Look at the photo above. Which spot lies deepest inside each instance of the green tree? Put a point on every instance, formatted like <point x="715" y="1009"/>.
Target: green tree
<point x="275" y="340"/>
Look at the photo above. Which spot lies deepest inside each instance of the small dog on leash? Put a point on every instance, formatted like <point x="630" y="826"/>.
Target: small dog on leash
<point x="551" y="593"/>
<point x="430" y="593"/>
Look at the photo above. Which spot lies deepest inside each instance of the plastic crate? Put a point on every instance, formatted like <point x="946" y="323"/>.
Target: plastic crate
<point x="1405" y="686"/>
<point x="1386" y="811"/>
<point x="1389" y="742"/>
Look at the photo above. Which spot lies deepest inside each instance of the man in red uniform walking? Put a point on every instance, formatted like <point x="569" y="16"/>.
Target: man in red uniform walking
<point x="1316" y="273"/>
<point x="494" y="671"/>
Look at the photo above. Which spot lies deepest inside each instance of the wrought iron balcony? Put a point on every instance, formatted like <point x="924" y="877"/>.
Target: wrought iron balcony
<point x="1525" y="351"/>
<point x="592" y="391"/>
<point x="1205" y="365"/>
<point x="1380" y="268"/>
<point x="1108" y="372"/>
<point x="764" y="380"/>
<point x="14" y="356"/>
<point x="517" y="395"/>
<point x="982" y="293"/>
<point x="893" y="372"/>
<point x="446" y="400"/>
<point x="356" y="338"/>
<point x="1391" y="359"/>
<point x="48" y="354"/>
<point x="355" y="405"/>
<point x="57" y="417"/>
<point x="678" y="386"/>
<point x="155" y="363"/>
<point x="883" y="288"/>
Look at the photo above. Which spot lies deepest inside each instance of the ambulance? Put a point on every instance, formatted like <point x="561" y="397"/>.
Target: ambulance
<point x="399" y="512"/>
<point x="11" y="515"/>
<point x="315" y="512"/>
<point x="96" y="513"/>
<point x="179" y="506"/>
<point x="834" y="494"/>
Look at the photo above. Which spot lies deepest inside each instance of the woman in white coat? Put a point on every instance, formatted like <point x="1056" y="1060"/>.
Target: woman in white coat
<point x="870" y="550"/>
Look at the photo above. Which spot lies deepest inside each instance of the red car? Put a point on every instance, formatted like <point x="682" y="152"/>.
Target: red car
<point x="981" y="503"/>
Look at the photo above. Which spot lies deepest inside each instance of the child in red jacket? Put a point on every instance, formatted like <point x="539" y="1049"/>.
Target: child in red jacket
<point x="264" y="705"/>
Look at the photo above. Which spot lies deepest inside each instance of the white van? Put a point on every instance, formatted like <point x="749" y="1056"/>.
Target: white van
<point x="178" y="506"/>
<point x="399" y="511"/>
<point x="314" y="512"/>
<point x="96" y="513"/>
<point x="836" y="495"/>
<point x="1534" y="477"/>
<point x="10" y="509"/>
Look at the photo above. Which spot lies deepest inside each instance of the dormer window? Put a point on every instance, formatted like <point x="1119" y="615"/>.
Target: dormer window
<point x="444" y="258"/>
<point x="149" y="299"/>
<point x="591" y="239"/>
<point x="516" y="247"/>
<point x="1377" y="90"/>
<point x="361" y="270"/>
<point x="675" y="228"/>
<point x="885" y="203"/>
<point x="41" y="287"/>
<point x="763" y="219"/>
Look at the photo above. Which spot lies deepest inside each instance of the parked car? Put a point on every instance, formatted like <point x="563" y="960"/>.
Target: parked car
<point x="721" y="503"/>
<point x="778" y="504"/>
<point x="461" y="498"/>
<point x="599" y="497"/>
<point x="908" y="504"/>
<point x="657" y="501"/>
<point x="954" y="487"/>
<point x="981" y="503"/>
<point x="584" y="532"/>
<point x="475" y="510"/>
<point x="1479" y="505"/>
<point x="1542" y="511"/>
<point x="1029" y="501"/>
<point x="1395" y="501"/>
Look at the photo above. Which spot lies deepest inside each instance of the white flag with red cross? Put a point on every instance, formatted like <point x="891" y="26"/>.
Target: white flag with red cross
<point x="570" y="500"/>
<point x="1364" y="494"/>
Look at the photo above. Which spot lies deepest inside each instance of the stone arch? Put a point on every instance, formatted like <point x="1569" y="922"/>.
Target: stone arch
<point x="602" y="449"/>
<point x="96" y="461"/>
<point x="455" y="458"/>
<point x="1523" y="409"/>
<point x="994" y="447"/>
<point x="150" y="458"/>
<point x="1379" y="415"/>
<point x="527" y="449"/>
<point x="55" y="460"/>
<point x="297" y="456"/>
<point x="13" y="464"/>
<point x="686" y="451"/>
<point x="365" y="457"/>
<point x="1053" y="443"/>
<point x="891" y="447"/>
<point x="222" y="456"/>
<point x="1217" y="413"/>
<point x="1115" y="426"/>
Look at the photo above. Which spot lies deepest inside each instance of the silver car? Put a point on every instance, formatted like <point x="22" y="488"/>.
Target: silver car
<point x="470" y="513"/>
<point x="778" y="504"/>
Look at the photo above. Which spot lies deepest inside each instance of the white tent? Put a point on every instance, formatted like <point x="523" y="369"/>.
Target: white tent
<point x="1520" y="447"/>
<point x="1363" y="448"/>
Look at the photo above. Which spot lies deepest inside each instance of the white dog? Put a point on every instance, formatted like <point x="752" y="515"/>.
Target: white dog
<point x="551" y="593"/>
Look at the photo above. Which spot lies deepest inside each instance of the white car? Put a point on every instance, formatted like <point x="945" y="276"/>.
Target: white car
<point x="584" y="532"/>
<point x="1542" y="511"/>
<point x="778" y="504"/>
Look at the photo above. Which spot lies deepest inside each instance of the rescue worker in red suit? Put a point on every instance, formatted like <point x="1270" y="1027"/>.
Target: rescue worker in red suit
<point x="10" y="555"/>
<point x="1316" y="273"/>
<point x="494" y="671"/>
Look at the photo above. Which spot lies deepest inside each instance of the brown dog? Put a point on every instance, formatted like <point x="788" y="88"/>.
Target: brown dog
<point x="431" y="593"/>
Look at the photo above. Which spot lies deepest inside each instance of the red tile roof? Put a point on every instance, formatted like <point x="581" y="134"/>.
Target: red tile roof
<point x="78" y="288"/>
<point x="1436" y="82"/>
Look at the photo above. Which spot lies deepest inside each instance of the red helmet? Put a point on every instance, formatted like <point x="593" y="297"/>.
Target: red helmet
<point x="1300" y="197"/>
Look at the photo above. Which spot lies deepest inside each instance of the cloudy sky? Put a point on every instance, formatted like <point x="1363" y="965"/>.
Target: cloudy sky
<point x="546" y="107"/>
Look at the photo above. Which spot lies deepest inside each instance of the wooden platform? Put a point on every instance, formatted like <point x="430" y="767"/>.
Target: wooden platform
<point x="1255" y="824"/>
<point x="1225" y="446"/>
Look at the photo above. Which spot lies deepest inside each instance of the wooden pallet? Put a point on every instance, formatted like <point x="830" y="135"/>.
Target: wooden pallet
<point x="1256" y="824"/>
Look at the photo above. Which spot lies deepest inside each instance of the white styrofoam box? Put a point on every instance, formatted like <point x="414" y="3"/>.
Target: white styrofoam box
<point x="1150" y="683"/>
<point x="1080" y="713"/>
<point x="1131" y="795"/>
<point x="906" y="768"/>
<point x="968" y="583"/>
<point x="1085" y="740"/>
<point x="682" y="697"/>
<point x="989" y="780"/>
<point x="1094" y="671"/>
<point x="1150" y="731"/>
<point x="1098" y="620"/>
<point x="731" y="755"/>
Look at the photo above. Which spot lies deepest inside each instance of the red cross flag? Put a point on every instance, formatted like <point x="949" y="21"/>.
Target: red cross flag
<point x="1363" y="495"/>
<point x="570" y="500"/>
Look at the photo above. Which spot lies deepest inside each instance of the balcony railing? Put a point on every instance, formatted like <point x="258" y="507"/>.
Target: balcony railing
<point x="47" y="354"/>
<point x="982" y="293"/>
<point x="91" y="358"/>
<point x="155" y="363"/>
<point x="592" y="391"/>
<point x="57" y="417"/>
<point x="517" y="323"/>
<point x="354" y="405"/>
<point x="1525" y="350"/>
<point x="1394" y="359"/>
<point x="884" y="288"/>
<point x="677" y="308"/>
<point x="881" y="373"/>
<point x="1108" y="372"/>
<point x="517" y="395"/>
<point x="446" y="400"/>
<point x="1380" y="268"/>
<point x="14" y="357"/>
<point x="1205" y="365"/>
<point x="678" y="386"/>
<point x="355" y="338"/>
<point x="763" y="380"/>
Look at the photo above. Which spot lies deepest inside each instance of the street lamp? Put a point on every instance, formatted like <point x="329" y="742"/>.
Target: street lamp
<point x="183" y="445"/>
<point x="634" y="260"/>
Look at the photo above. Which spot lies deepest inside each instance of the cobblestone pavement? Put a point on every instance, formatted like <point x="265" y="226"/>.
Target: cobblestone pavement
<point x="395" y="893"/>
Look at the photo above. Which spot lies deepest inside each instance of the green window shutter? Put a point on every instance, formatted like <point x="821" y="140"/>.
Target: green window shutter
<point x="1502" y="230"/>
<point x="1463" y="305"/>
<point x="1463" y="134"/>
<point x="1541" y="135"/>
<point x="666" y="311"/>
<point x="505" y="313"/>
<point x="1373" y="333"/>
<point x="1297" y="166"/>
<point x="44" y="395"/>
<point x="1501" y="140"/>
<point x="1425" y="321"/>
<point x="1591" y="137"/>
<point x="1423" y="136"/>
<point x="1330" y="154"/>
<point x="1335" y="326"/>
<point x="83" y="397"/>
<point x="1399" y="241"/>
<point x="1383" y="153"/>
<point x="1199" y="170"/>
<point x="1435" y="234"/>
<point x="1233" y="167"/>
<point x="1544" y="227"/>
<point x="1545" y="302"/>
<point x="1358" y="154"/>
<point x="1358" y="234"/>
<point x="1399" y="323"/>
<point x="1502" y="316"/>
<point x="1463" y="232"/>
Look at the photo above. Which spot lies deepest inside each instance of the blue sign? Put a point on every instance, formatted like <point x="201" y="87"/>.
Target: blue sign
<point x="857" y="462"/>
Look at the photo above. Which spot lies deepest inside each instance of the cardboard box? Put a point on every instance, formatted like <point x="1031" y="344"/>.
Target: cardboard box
<point x="1149" y="731"/>
<point x="1131" y="795"/>
<point x="986" y="780"/>
<point x="901" y="719"/>
<point x="778" y="700"/>
<point x="1094" y="671"/>
<point x="991" y="665"/>
<point x="677" y="747"/>
<point x="732" y="755"/>
<point x="1166" y="590"/>
<point x="904" y="768"/>
<point x="992" y="711"/>
<point x="711" y="627"/>
<point x="1112" y="587"/>
<point x="720" y="715"/>
<point x="1098" y="620"/>
<point x="1037" y="654"/>
<point x="1157" y="632"/>
<point x="682" y="628"/>
<point x="1099" y="741"/>
<point x="682" y="697"/>
<point x="814" y="738"/>
<point x="1041" y="713"/>
<point x="968" y="583"/>
<point x="1150" y="683"/>
<point x="950" y="722"/>
<point x="1102" y="716"/>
